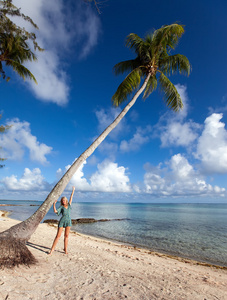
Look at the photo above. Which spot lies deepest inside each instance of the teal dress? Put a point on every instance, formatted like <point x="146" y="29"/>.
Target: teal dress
<point x="65" y="220"/>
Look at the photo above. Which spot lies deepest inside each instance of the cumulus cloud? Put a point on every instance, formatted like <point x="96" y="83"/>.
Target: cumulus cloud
<point x="178" y="134"/>
<point x="52" y="82"/>
<point x="78" y="178"/>
<point x="182" y="90"/>
<point x="18" y="138"/>
<point x="109" y="177"/>
<point x="172" y="128"/>
<point x="139" y="139"/>
<point x="30" y="180"/>
<point x="178" y="178"/>
<point x="212" y="145"/>
<point x="61" y="27"/>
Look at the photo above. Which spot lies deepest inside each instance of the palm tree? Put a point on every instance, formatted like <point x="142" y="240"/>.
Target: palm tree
<point x="153" y="63"/>
<point x="14" y="51"/>
<point x="14" y="47"/>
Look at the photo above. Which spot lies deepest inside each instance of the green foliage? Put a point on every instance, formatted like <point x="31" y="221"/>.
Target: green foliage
<point x="171" y="96"/>
<point x="131" y="82"/>
<point x="151" y="86"/>
<point x="153" y="59"/>
<point x="3" y="129"/>
<point x="14" y="48"/>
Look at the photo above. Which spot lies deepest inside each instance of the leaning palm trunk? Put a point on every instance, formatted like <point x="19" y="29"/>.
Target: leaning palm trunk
<point x="23" y="231"/>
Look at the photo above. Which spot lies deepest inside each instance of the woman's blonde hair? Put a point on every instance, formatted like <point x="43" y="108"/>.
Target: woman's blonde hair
<point x="62" y="198"/>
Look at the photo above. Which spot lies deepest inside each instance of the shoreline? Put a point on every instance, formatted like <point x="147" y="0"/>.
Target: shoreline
<point x="153" y="252"/>
<point x="150" y="251"/>
<point x="101" y="269"/>
<point x="134" y="246"/>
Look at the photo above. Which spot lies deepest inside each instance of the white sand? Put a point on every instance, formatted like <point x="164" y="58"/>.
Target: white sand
<point x="98" y="269"/>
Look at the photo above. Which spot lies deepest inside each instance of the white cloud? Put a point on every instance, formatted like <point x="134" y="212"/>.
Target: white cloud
<point x="18" y="138"/>
<point x="139" y="139"/>
<point x="178" y="178"/>
<point x="87" y="29"/>
<point x="212" y="145"/>
<point x="78" y="179"/>
<point x="172" y="128"/>
<point x="30" y="180"/>
<point x="109" y="177"/>
<point x="178" y="134"/>
<point x="61" y="28"/>
<point x="182" y="90"/>
<point x="52" y="81"/>
<point x="181" y="168"/>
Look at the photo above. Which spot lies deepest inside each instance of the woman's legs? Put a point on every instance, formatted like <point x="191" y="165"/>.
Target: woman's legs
<point x="58" y="235"/>
<point x="67" y="230"/>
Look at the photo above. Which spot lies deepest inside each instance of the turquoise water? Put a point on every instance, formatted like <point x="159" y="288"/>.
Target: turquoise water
<point x="197" y="231"/>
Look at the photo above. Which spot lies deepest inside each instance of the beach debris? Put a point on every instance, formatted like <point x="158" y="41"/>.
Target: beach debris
<point x="14" y="253"/>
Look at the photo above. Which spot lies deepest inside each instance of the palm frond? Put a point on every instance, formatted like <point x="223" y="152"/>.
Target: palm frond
<point x="21" y="70"/>
<point x="142" y="47"/>
<point x="129" y="84"/>
<point x="151" y="86"/>
<point x="175" y="63"/>
<point x="15" y="51"/>
<point x="171" y="95"/>
<point x="168" y="36"/>
<point x="133" y="41"/>
<point x="125" y="66"/>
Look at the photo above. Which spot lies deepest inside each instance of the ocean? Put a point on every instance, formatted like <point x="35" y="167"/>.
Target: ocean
<point x="195" y="231"/>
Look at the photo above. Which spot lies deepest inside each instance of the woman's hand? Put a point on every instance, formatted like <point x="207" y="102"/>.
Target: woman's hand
<point x="73" y="188"/>
<point x="55" y="210"/>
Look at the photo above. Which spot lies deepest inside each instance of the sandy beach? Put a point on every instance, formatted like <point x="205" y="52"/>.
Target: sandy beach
<point x="100" y="269"/>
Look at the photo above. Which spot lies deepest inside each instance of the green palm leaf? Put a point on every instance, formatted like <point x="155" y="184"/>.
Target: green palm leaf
<point x="129" y="84"/>
<point x="14" y="41"/>
<point x="151" y="86"/>
<point x="125" y="66"/>
<point x="14" y="51"/>
<point x="175" y="63"/>
<point x="133" y="41"/>
<point x="171" y="95"/>
<point x="167" y="37"/>
<point x="21" y="70"/>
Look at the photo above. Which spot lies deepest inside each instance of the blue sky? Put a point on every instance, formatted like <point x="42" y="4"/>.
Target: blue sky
<point x="154" y="155"/>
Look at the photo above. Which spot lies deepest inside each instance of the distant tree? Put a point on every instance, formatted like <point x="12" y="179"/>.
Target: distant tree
<point x="2" y="129"/>
<point x="153" y="63"/>
<point x="14" y="47"/>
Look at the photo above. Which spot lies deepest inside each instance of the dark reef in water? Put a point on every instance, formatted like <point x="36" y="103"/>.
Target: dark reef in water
<point x="82" y="220"/>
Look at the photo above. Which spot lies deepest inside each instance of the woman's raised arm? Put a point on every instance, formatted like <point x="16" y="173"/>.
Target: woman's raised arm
<point x="71" y="197"/>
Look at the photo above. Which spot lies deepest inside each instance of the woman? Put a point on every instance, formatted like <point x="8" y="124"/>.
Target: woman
<point x="65" y="221"/>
